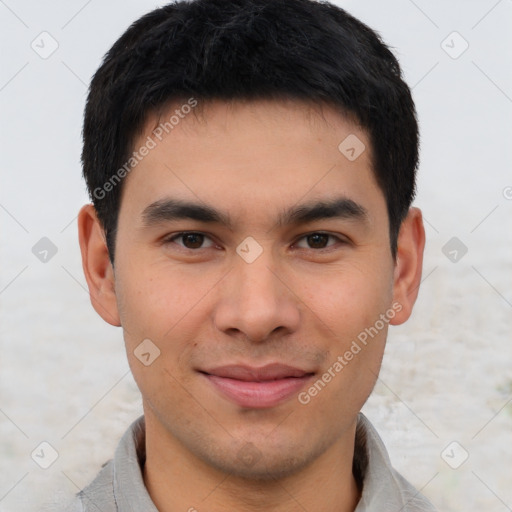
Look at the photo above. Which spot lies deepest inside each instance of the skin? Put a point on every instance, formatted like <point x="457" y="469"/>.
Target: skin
<point x="297" y="303"/>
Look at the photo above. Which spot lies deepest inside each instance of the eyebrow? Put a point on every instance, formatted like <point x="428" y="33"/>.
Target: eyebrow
<point x="169" y="209"/>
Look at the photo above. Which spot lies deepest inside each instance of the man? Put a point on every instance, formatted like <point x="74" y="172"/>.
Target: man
<point x="251" y="165"/>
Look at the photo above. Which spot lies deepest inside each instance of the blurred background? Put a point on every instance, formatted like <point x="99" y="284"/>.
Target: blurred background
<point x="443" y="403"/>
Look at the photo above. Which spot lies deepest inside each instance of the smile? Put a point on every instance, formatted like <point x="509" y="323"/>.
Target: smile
<point x="258" y="388"/>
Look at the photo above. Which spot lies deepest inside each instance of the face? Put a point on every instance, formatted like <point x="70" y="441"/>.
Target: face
<point x="255" y="257"/>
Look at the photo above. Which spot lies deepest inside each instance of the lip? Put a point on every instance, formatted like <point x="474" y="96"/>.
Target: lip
<point x="257" y="387"/>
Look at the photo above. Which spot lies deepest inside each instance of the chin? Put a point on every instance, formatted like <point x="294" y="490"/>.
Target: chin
<point x="264" y="460"/>
<point x="262" y="470"/>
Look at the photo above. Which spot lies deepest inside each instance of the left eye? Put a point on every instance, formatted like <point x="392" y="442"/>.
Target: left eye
<point x="318" y="240"/>
<point x="191" y="240"/>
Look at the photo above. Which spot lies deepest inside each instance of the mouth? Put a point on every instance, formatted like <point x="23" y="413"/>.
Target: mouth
<point x="257" y="388"/>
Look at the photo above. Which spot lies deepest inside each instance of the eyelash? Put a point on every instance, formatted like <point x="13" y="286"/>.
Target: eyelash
<point x="172" y="238"/>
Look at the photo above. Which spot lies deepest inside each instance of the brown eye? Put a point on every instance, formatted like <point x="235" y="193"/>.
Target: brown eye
<point x="190" y="240"/>
<point x="193" y="240"/>
<point x="318" y="241"/>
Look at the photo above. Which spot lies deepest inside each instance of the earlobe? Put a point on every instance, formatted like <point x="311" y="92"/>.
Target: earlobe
<point x="407" y="278"/>
<point x="98" y="269"/>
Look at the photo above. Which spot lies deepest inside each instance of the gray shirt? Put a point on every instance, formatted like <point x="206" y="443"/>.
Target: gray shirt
<point x="119" y="486"/>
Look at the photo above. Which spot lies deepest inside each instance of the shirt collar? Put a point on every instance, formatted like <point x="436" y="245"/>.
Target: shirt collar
<point x="130" y="493"/>
<point x="384" y="488"/>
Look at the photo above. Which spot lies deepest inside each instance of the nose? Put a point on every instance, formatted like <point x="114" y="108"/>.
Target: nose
<point x="257" y="301"/>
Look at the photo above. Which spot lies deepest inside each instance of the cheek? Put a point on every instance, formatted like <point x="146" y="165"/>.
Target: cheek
<point x="348" y="304"/>
<point x="348" y="300"/>
<point x="160" y="306"/>
<point x="149" y="296"/>
<point x="165" y="303"/>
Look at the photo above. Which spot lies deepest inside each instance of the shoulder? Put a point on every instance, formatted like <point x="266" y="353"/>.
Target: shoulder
<point x="98" y="495"/>
<point x="384" y="488"/>
<point x="412" y="499"/>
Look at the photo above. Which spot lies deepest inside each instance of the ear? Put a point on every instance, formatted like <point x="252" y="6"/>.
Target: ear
<point x="98" y="270"/>
<point x="408" y="266"/>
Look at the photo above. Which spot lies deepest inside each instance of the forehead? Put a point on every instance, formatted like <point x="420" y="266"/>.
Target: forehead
<point x="251" y="155"/>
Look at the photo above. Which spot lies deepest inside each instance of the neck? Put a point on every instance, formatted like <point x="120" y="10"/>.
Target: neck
<point x="177" y="480"/>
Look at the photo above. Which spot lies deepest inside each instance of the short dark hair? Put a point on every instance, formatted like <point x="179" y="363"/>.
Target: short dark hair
<point x="249" y="50"/>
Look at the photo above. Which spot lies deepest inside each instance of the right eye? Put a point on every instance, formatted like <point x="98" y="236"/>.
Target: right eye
<point x="192" y="240"/>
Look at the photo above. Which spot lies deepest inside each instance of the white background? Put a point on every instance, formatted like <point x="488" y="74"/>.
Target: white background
<point x="447" y="373"/>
